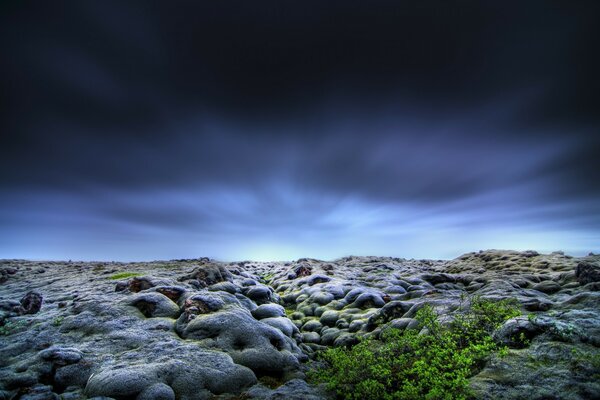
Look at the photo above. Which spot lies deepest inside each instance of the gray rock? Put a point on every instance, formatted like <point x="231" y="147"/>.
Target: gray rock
<point x="268" y="311"/>
<point x="312" y="326"/>
<point x="228" y="287"/>
<point x="329" y="318"/>
<point x="285" y="325"/>
<point x="517" y="332"/>
<point x="61" y="355"/>
<point x="322" y="298"/>
<point x="295" y="389"/>
<point x="153" y="305"/>
<point x="404" y="323"/>
<point x="158" y="391"/>
<point x="193" y="373"/>
<point x="249" y="342"/>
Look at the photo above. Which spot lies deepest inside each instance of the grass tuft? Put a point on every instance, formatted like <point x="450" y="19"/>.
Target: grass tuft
<point x="123" y="275"/>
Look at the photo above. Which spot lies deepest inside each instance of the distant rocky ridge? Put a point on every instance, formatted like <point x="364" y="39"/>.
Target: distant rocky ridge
<point x="202" y="329"/>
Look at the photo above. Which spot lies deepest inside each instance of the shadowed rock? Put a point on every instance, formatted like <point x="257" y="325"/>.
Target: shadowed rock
<point x="208" y="275"/>
<point x="587" y="272"/>
<point x="31" y="303"/>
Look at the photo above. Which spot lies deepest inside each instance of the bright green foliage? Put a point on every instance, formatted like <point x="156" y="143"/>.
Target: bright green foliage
<point x="123" y="275"/>
<point x="411" y="364"/>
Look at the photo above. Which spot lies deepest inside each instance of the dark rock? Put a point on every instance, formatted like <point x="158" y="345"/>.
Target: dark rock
<point x="138" y="284"/>
<point x="517" y="332"/>
<point x="368" y="300"/>
<point x="586" y="272"/>
<point x="312" y="326"/>
<point x="200" y="304"/>
<point x="31" y="303"/>
<point x="302" y="270"/>
<point x="311" y="337"/>
<point x="154" y="305"/>
<point x="392" y="310"/>
<point x="329" y="317"/>
<point x="314" y="279"/>
<point x="547" y="287"/>
<point x="40" y="392"/>
<point x="345" y="340"/>
<point x="172" y="292"/>
<point x="439" y="278"/>
<point x="260" y="294"/>
<point x="208" y="275"/>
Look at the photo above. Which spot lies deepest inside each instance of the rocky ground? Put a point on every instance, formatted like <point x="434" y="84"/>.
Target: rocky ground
<point x="201" y="329"/>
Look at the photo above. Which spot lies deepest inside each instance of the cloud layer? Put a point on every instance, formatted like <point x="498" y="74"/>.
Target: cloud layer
<point x="144" y="131"/>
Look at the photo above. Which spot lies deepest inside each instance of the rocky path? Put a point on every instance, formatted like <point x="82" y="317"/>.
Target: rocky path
<point x="200" y="329"/>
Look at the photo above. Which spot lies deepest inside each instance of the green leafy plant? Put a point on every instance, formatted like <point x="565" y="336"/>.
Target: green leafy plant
<point x="123" y="275"/>
<point x="433" y="362"/>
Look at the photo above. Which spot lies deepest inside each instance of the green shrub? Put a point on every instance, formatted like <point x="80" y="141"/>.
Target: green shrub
<point x="410" y="364"/>
<point x="123" y="275"/>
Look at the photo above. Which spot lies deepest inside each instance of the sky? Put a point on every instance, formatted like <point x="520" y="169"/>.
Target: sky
<point x="274" y="130"/>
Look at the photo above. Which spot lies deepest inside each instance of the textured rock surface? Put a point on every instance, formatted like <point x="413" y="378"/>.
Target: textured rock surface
<point x="200" y="329"/>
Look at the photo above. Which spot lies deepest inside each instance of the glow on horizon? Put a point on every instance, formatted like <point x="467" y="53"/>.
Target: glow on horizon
<point x="278" y="224"/>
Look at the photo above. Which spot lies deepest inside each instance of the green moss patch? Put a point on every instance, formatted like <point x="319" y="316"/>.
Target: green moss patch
<point x="123" y="275"/>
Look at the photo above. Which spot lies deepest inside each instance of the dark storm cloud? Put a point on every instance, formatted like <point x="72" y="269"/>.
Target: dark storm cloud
<point x="297" y="121"/>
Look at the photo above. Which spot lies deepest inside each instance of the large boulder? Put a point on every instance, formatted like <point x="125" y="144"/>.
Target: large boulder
<point x="31" y="303"/>
<point x="153" y="305"/>
<point x="220" y="321"/>
<point x="587" y="272"/>
<point x="176" y="371"/>
<point x="208" y="275"/>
